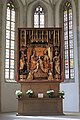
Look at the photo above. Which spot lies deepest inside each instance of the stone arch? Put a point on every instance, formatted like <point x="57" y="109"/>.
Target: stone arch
<point x="61" y="10"/>
<point x="15" y="2"/>
<point x="45" y="12"/>
<point x="17" y="8"/>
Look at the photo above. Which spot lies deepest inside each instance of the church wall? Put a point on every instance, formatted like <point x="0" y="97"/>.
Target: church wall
<point x="79" y="46"/>
<point x="71" y="98"/>
<point x="8" y="99"/>
<point x="0" y="52"/>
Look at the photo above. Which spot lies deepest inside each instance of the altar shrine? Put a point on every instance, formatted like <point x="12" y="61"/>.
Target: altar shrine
<point x="40" y="68"/>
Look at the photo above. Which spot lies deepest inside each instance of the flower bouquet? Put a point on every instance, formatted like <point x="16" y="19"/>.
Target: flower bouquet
<point x="18" y="93"/>
<point x="29" y="92"/>
<point x="61" y="94"/>
<point x="50" y="93"/>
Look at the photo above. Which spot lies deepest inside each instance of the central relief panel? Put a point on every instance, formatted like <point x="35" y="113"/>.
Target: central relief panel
<point x="39" y="63"/>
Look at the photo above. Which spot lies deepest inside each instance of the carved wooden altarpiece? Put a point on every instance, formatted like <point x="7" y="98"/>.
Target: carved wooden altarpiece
<point x="40" y="55"/>
<point x="40" y="68"/>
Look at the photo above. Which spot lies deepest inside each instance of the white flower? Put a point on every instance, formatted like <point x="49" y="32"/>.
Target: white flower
<point x="62" y="93"/>
<point x="18" y="92"/>
<point x="29" y="91"/>
<point x="50" y="91"/>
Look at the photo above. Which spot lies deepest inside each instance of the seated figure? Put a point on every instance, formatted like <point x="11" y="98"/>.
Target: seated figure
<point x="33" y="65"/>
<point x="34" y="62"/>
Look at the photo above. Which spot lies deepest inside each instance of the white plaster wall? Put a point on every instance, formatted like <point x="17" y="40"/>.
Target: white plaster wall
<point x="79" y="27"/>
<point x="8" y="99"/>
<point x="71" y="100"/>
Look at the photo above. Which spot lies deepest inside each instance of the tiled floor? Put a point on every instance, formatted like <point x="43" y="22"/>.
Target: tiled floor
<point x="12" y="116"/>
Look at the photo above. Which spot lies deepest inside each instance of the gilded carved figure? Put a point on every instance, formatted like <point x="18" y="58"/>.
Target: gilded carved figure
<point x="33" y="65"/>
<point x="45" y="63"/>
<point x="33" y="61"/>
<point x="22" y="60"/>
<point x="56" y="61"/>
<point x="23" y="63"/>
<point x="50" y="76"/>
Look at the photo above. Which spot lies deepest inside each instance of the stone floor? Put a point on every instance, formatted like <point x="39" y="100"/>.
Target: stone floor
<point x="12" y="116"/>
